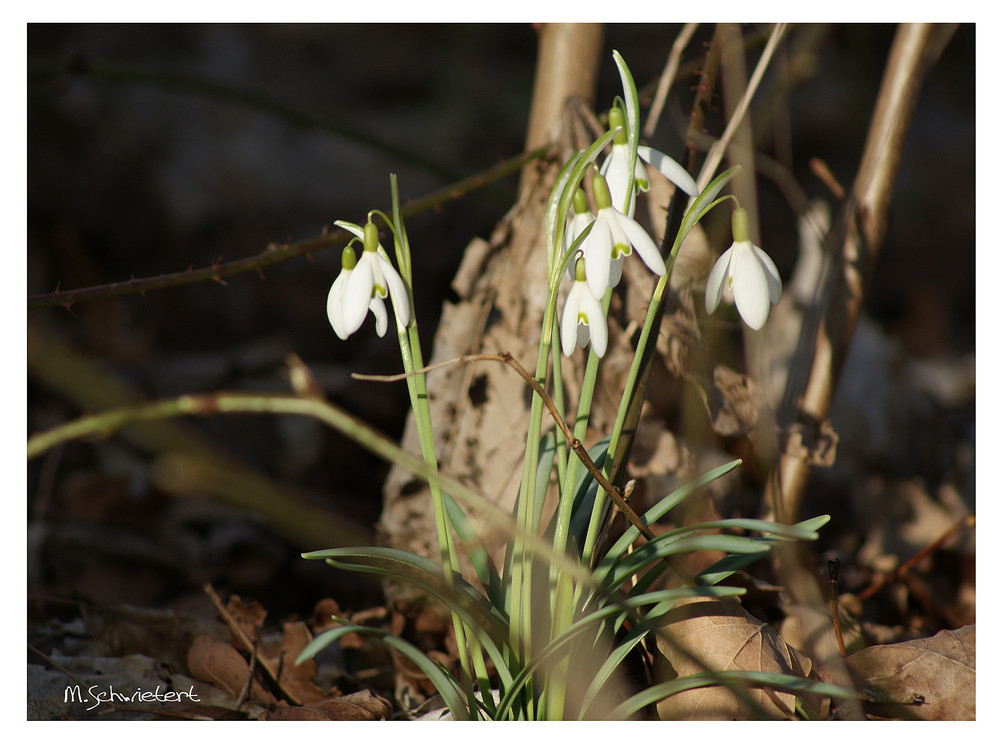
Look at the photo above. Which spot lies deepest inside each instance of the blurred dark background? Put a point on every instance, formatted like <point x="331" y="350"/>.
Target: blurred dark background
<point x="134" y="173"/>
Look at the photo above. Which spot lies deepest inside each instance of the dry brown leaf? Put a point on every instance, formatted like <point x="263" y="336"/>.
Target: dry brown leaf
<point x="296" y="680"/>
<point x="377" y="707"/>
<point x="323" y="614"/>
<point x="725" y="637"/>
<point x="295" y="713"/>
<point x="929" y="678"/>
<point x="221" y="665"/>
<point x="249" y="616"/>
<point x="361" y="706"/>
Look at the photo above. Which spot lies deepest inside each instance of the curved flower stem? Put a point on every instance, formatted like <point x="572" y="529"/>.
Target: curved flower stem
<point x="308" y="404"/>
<point x="410" y="351"/>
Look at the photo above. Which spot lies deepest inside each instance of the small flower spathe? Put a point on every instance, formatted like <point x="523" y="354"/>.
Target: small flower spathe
<point x="745" y="274"/>
<point x="583" y="318"/>
<point x="363" y="285"/>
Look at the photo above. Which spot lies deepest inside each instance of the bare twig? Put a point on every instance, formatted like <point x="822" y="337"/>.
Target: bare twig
<point x="855" y="242"/>
<point x="667" y="78"/>
<point x="574" y="442"/>
<point x="276" y="253"/>
<point x="719" y="147"/>
<point x="834" y="568"/>
<point x="901" y="572"/>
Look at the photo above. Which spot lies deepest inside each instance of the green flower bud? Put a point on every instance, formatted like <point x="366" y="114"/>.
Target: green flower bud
<point x="616" y="119"/>
<point x="602" y="195"/>
<point x="580" y="202"/>
<point x="741" y="226"/>
<point x="371" y="237"/>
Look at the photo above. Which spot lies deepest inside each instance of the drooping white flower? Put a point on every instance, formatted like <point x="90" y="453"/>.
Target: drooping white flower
<point x="746" y="274"/>
<point x="615" y="167"/>
<point x="363" y="285"/>
<point x="583" y="318"/>
<point x="611" y="239"/>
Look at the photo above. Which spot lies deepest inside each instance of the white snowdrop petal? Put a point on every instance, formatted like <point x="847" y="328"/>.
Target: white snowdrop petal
<point x="669" y="169"/>
<point x="750" y="287"/>
<point x="615" y="171"/>
<point x="335" y="305"/>
<point x="645" y="246"/>
<point x="357" y="296"/>
<point x="597" y="324"/>
<point x="397" y="290"/>
<point x="597" y="255"/>
<point x="773" y="277"/>
<point x="615" y="274"/>
<point x="381" y="316"/>
<point x="717" y="279"/>
<point x="571" y="312"/>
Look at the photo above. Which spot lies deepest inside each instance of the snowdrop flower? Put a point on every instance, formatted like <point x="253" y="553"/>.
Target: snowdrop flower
<point x="611" y="239"/>
<point x="615" y="167"/>
<point x="583" y="319"/>
<point x="744" y="273"/>
<point x="363" y="285"/>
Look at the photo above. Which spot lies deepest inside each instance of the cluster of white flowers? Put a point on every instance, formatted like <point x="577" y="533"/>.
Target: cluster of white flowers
<point x="743" y="274"/>
<point x="613" y="235"/>
<point x="363" y="285"/>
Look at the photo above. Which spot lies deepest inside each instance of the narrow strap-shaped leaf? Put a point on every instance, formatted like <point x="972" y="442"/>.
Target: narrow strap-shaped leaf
<point x="660" y="547"/>
<point x="783" y="682"/>
<point x="631" y="535"/>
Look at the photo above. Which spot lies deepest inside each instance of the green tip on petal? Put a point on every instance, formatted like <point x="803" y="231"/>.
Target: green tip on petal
<point x="741" y="226"/>
<point x="602" y="195"/>
<point x="616" y="119"/>
<point x="371" y="237"/>
<point x="348" y="260"/>
<point x="580" y="202"/>
<point x="579" y="273"/>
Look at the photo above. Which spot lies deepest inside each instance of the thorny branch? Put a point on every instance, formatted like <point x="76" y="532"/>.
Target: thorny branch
<point x="276" y="253"/>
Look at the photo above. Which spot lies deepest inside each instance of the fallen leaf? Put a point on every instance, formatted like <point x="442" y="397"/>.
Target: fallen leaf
<point x="296" y="680"/>
<point x="221" y="665"/>
<point x="248" y="616"/>
<point x="722" y="637"/>
<point x="295" y="713"/>
<point x="928" y="678"/>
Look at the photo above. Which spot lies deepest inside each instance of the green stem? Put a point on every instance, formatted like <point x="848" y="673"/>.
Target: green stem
<point x="409" y="347"/>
